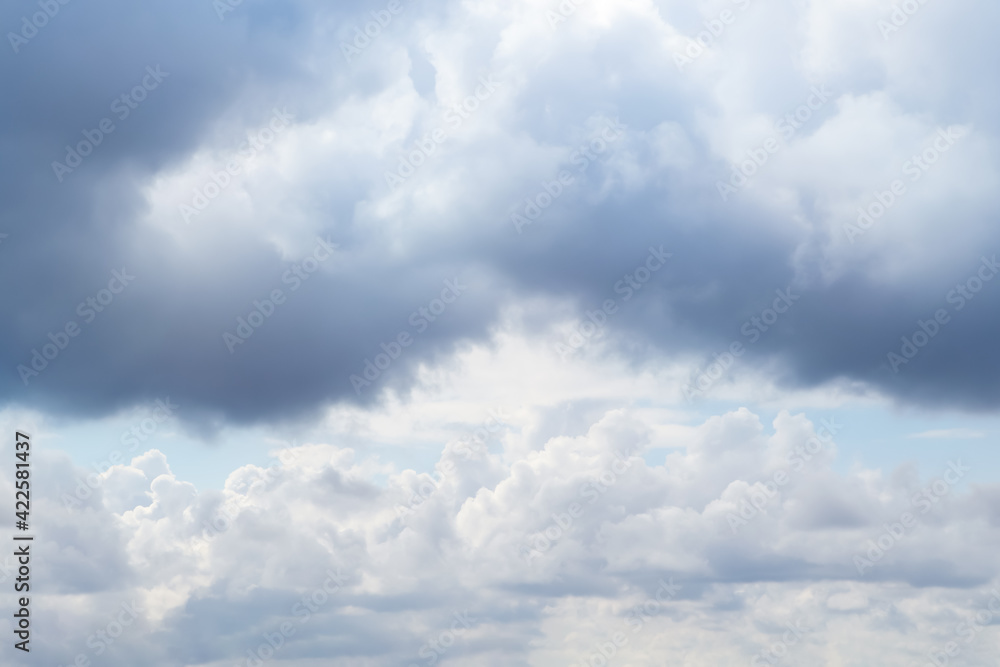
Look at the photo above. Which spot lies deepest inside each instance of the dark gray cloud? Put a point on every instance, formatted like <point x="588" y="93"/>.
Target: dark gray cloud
<point x="163" y="334"/>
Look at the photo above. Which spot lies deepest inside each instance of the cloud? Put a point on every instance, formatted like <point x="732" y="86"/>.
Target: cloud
<point x="324" y="176"/>
<point x="309" y="217"/>
<point x="549" y="544"/>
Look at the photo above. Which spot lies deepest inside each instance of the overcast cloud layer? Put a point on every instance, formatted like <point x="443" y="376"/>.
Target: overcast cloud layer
<point x="558" y="83"/>
<point x="534" y="246"/>
<point x="695" y="544"/>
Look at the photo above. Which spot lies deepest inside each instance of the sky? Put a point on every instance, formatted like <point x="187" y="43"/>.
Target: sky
<point x="528" y="333"/>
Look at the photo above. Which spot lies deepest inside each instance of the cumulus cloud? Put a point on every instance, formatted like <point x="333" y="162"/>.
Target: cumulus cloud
<point x="556" y="84"/>
<point x="421" y="238"/>
<point x="702" y="542"/>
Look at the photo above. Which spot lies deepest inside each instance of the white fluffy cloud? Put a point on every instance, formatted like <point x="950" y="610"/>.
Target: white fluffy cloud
<point x="598" y="513"/>
<point x="697" y="542"/>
